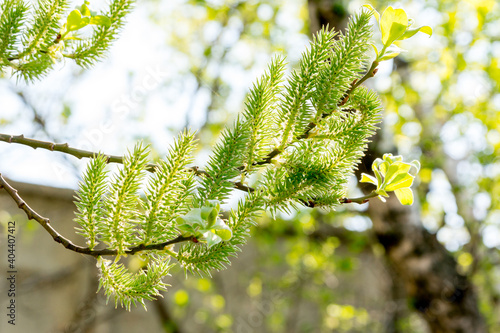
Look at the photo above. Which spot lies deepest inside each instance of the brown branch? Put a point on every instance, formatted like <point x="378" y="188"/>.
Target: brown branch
<point x="58" y="238"/>
<point x="269" y="157"/>
<point x="80" y="153"/>
<point x="361" y="200"/>
<point x="65" y="148"/>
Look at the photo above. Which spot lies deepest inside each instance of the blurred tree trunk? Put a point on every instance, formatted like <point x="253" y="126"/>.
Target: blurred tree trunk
<point x="444" y="298"/>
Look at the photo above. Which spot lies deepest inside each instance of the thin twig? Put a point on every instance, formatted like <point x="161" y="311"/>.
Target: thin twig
<point x="78" y="153"/>
<point x="65" y="148"/>
<point x="240" y="186"/>
<point x="45" y="223"/>
<point x="151" y="167"/>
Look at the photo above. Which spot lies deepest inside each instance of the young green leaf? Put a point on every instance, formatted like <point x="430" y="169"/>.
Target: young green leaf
<point x="368" y="179"/>
<point x="204" y="224"/>
<point x="394" y="25"/>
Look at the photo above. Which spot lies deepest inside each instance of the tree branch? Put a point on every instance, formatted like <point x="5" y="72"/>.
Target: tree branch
<point x="58" y="238"/>
<point x="360" y="200"/>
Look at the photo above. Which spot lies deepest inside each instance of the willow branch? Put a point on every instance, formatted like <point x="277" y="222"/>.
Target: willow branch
<point x="58" y="238"/>
<point x="151" y="167"/>
<point x="65" y="148"/>
<point x="78" y="153"/>
<point x="356" y="83"/>
<point x="361" y="200"/>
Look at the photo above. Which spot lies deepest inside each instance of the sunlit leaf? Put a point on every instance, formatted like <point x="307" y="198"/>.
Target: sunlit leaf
<point x="84" y="9"/>
<point x="394" y="170"/>
<point x="209" y="215"/>
<point x="211" y="238"/>
<point x="415" y="167"/>
<point x="391" y="52"/>
<point x="382" y="193"/>
<point x="374" y="48"/>
<point x="222" y="230"/>
<point x="389" y="55"/>
<point x="76" y="21"/>
<point x="379" y="177"/>
<point x="192" y="218"/>
<point x="383" y="167"/>
<point x="404" y="195"/>
<point x="368" y="179"/>
<point x="391" y="159"/>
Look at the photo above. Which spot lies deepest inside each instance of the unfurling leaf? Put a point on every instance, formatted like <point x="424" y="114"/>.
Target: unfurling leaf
<point x="368" y="179"/>
<point x="84" y="9"/>
<point x="410" y="32"/>
<point x="76" y="21"/>
<point x="394" y="25"/>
